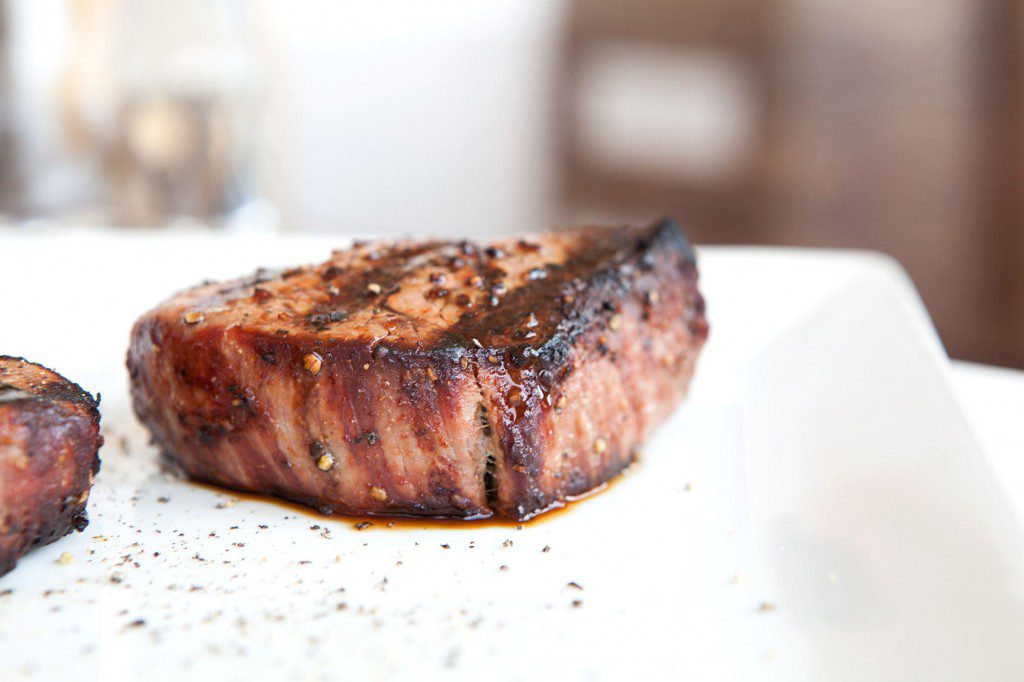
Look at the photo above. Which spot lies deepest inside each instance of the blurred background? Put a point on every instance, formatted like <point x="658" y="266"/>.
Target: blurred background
<point x="893" y="125"/>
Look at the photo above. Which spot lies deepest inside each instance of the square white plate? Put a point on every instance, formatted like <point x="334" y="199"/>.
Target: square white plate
<point x="817" y="509"/>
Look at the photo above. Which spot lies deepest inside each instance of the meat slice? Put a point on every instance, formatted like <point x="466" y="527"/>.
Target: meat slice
<point x="49" y="453"/>
<point x="427" y="378"/>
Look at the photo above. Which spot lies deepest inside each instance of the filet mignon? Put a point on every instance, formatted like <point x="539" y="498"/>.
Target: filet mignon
<point x="427" y="377"/>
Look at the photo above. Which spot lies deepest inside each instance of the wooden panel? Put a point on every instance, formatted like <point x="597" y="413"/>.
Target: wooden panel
<point x="7" y="152"/>
<point x="735" y="24"/>
<point x="1001" y="90"/>
<point x="724" y="209"/>
<point x="884" y="126"/>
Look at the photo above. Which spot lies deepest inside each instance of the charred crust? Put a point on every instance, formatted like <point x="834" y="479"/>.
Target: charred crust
<point x="331" y="272"/>
<point x="571" y="299"/>
<point x="320" y="321"/>
<point x="58" y="454"/>
<point x="56" y="388"/>
<point x="367" y="437"/>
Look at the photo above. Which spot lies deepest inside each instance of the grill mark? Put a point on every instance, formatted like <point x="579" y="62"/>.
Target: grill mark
<point x="471" y="255"/>
<point x="389" y="273"/>
<point x="582" y="270"/>
<point x="581" y="264"/>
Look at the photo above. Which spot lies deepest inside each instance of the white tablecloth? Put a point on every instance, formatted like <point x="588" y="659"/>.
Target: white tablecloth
<point x="993" y="399"/>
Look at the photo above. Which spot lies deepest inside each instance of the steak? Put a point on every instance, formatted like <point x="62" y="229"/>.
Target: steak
<point x="429" y="378"/>
<point x="49" y="445"/>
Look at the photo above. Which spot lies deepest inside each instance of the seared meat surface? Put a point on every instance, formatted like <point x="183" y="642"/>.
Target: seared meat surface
<point x="427" y="378"/>
<point x="49" y="444"/>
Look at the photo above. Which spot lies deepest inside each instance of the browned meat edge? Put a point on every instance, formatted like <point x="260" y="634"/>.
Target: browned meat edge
<point x="49" y="454"/>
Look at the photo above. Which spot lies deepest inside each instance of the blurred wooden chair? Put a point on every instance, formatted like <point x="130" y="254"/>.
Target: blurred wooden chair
<point x="665" y="41"/>
<point x="7" y="165"/>
<point x="879" y="125"/>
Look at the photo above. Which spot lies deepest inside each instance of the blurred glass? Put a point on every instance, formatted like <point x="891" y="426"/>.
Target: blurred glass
<point x="144" y="114"/>
<point x="403" y="116"/>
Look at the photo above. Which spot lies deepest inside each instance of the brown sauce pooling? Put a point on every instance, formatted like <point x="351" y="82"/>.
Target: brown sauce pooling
<point x="410" y="523"/>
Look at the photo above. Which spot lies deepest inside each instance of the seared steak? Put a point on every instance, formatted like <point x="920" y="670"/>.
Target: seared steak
<point x="49" y="443"/>
<point x="427" y="378"/>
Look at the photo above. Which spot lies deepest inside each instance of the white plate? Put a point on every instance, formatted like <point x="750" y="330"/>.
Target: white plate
<point x="820" y="458"/>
